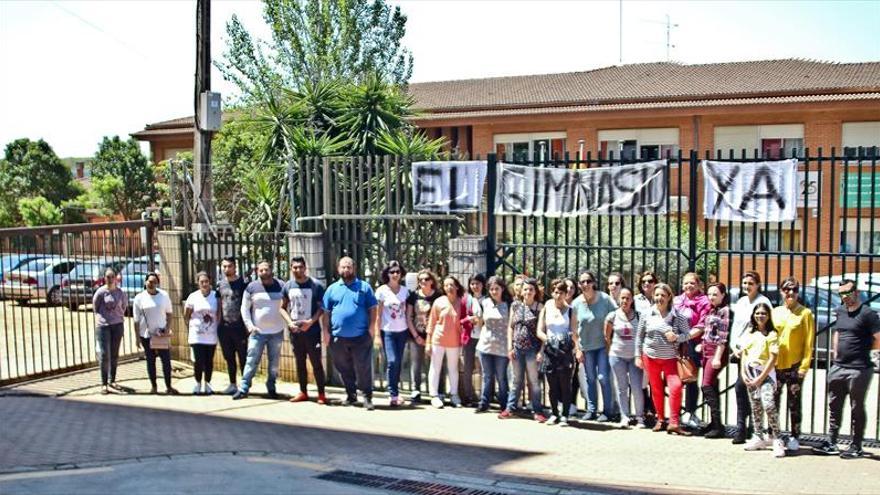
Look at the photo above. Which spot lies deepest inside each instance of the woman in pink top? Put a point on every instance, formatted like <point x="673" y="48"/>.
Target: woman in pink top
<point x="444" y="339"/>
<point x="693" y="304"/>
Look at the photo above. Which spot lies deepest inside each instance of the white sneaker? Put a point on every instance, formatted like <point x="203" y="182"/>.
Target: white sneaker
<point x="603" y="419"/>
<point x="437" y="402"/>
<point x="197" y="390"/>
<point x="640" y="423"/>
<point x="552" y="420"/>
<point x="230" y="389"/>
<point x="208" y="389"/>
<point x="573" y="410"/>
<point x="779" y="448"/>
<point x="757" y="443"/>
<point x="456" y="401"/>
<point x="793" y="444"/>
<point x="624" y="421"/>
<point x="563" y="421"/>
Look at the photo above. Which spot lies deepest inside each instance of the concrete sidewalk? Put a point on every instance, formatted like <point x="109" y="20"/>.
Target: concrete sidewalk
<point x="86" y="430"/>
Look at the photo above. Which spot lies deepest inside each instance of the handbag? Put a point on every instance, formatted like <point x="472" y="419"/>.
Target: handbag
<point x="687" y="370"/>
<point x="466" y="325"/>
<point x="160" y="338"/>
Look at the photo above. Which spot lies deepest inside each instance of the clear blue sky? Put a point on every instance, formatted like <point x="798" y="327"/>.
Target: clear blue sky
<point x="75" y="71"/>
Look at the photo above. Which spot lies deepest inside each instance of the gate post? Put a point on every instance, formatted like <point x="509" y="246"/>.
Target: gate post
<point x="466" y="257"/>
<point x="491" y="191"/>
<point x="692" y="211"/>
<point x="174" y="271"/>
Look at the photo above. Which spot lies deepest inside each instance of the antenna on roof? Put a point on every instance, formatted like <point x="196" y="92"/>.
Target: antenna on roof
<point x="669" y="27"/>
<point x="620" y="31"/>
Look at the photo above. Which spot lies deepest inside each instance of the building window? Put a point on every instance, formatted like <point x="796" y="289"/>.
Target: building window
<point x="639" y="144"/>
<point x="860" y="236"/>
<point x="864" y="135"/>
<point x="772" y="142"/>
<point x="538" y="147"/>
<point x="763" y="237"/>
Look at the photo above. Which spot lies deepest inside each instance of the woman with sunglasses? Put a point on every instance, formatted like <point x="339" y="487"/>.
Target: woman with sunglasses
<point x="660" y="333"/>
<point x="694" y="305"/>
<point x="391" y="321"/>
<point x="524" y="348"/>
<point x="796" y="329"/>
<point x="714" y="353"/>
<point x="444" y="339"/>
<point x="645" y="298"/>
<point x="492" y="344"/>
<point x="418" y="306"/>
<point x="620" y="330"/>
<point x="760" y="348"/>
<point x="557" y="329"/>
<point x="591" y="309"/>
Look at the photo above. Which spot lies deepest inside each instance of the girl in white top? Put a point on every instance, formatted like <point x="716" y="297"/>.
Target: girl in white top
<point x="391" y="319"/>
<point x="557" y="330"/>
<point x="202" y="312"/>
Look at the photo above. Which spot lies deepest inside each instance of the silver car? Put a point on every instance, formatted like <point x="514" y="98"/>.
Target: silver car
<point x="37" y="279"/>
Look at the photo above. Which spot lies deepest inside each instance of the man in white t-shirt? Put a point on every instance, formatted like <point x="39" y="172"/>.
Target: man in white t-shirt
<point x="151" y="310"/>
<point x="750" y="286"/>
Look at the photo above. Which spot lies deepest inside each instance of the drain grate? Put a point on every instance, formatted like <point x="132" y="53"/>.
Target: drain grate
<point x="399" y="485"/>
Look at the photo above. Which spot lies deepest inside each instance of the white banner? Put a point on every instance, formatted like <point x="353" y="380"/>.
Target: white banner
<point x="637" y="189"/>
<point x="448" y="186"/>
<point x="750" y="192"/>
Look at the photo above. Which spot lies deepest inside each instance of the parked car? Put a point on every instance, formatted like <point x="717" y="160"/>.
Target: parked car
<point x="11" y="261"/>
<point x="38" y="279"/>
<point x="78" y="286"/>
<point x="135" y="273"/>
<point x="822" y="301"/>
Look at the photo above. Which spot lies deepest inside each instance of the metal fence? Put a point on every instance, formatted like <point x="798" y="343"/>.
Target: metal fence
<point x="49" y="276"/>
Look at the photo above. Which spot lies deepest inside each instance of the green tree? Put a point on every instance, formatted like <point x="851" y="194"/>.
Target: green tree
<point x="31" y="168"/>
<point x="39" y="211"/>
<point x="121" y="164"/>
<point x="317" y="40"/>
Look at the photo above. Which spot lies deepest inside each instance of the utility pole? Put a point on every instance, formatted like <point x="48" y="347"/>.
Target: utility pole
<point x="669" y="27"/>
<point x="204" y="188"/>
<point x="620" y="32"/>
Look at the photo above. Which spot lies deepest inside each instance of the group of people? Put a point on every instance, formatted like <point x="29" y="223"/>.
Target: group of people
<point x="635" y="345"/>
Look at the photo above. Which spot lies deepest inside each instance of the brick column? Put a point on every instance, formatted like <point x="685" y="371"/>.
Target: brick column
<point x="174" y="270"/>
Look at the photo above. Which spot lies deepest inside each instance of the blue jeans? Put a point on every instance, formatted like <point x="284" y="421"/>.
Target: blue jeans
<point x="628" y="378"/>
<point x="597" y="368"/>
<point x="526" y="362"/>
<point x="494" y="368"/>
<point x="394" y="343"/>
<point x="256" y="343"/>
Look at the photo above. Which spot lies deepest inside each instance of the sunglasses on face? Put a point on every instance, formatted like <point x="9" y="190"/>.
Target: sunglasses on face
<point x="646" y="282"/>
<point x="845" y="293"/>
<point x="393" y="272"/>
<point x="585" y="281"/>
<point x="790" y="289"/>
<point x="613" y="283"/>
<point x="424" y="279"/>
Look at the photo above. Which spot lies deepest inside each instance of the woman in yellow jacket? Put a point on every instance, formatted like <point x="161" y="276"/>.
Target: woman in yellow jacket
<point x="796" y="328"/>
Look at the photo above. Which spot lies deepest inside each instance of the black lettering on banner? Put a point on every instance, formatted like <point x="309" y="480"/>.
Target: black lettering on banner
<point x="621" y="183"/>
<point x="428" y="183"/>
<point x="723" y="183"/>
<point x="654" y="178"/>
<point x="511" y="198"/>
<point x="604" y="189"/>
<point x="763" y="175"/>
<point x="453" y="189"/>
<point x="565" y="188"/>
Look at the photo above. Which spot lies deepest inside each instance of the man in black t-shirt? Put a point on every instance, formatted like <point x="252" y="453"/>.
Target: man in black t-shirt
<point x="304" y="295"/>
<point x="231" y="332"/>
<point x="858" y="331"/>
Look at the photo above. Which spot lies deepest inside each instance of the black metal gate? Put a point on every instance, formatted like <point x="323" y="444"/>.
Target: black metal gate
<point x="49" y="275"/>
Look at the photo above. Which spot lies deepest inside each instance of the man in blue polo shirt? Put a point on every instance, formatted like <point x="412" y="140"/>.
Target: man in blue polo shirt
<point x="350" y="306"/>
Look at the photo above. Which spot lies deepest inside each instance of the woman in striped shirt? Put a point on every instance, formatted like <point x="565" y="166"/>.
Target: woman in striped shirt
<point x="661" y="331"/>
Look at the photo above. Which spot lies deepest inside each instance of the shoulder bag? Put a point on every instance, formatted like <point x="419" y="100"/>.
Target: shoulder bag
<point x="687" y="371"/>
